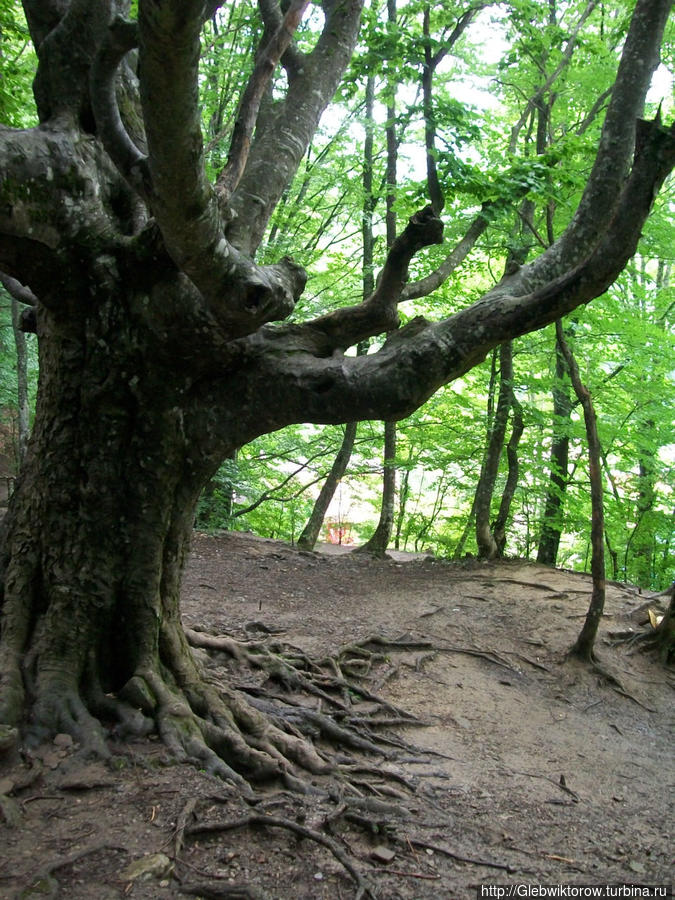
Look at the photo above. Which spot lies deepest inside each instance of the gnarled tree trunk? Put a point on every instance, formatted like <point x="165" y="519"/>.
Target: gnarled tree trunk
<point x="98" y="530"/>
<point x="157" y="356"/>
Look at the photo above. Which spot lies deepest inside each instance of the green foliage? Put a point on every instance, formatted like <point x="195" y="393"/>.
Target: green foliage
<point x="8" y="384"/>
<point x="492" y="151"/>
<point x="489" y="159"/>
<point x="17" y="68"/>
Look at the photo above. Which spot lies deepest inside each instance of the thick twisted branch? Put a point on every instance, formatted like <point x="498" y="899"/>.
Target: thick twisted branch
<point x="122" y="36"/>
<point x="423" y="356"/>
<point x="253" y="93"/>
<point x="241" y="295"/>
<point x="639" y="60"/>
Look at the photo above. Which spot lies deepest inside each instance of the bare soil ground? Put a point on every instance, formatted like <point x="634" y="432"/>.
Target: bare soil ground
<point x="526" y="769"/>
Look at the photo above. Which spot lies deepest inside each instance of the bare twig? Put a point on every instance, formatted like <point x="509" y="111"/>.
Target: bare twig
<point x="460" y="857"/>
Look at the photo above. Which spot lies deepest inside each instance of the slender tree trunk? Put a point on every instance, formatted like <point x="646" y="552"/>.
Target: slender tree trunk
<point x="228" y="505"/>
<point x="492" y="387"/>
<point x="640" y="543"/>
<point x="613" y="555"/>
<point x="433" y="184"/>
<point x="310" y="533"/>
<point x="487" y="546"/>
<point x="583" y="646"/>
<point x="517" y="428"/>
<point x="379" y="540"/>
<point x="404" y="495"/>
<point x="552" y="520"/>
<point x="381" y="537"/>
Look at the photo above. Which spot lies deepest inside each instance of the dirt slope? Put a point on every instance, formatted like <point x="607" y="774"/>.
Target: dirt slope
<point x="527" y="769"/>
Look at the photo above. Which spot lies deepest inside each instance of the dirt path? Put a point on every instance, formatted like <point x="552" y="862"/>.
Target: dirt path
<point x="534" y="770"/>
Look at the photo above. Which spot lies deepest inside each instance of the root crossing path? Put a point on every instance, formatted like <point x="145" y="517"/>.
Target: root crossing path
<point x="453" y="743"/>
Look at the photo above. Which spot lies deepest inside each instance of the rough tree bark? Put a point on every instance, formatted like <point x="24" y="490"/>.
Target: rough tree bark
<point x="157" y="359"/>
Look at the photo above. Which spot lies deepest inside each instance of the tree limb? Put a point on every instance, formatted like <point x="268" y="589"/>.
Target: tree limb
<point x="283" y="133"/>
<point x="239" y="294"/>
<point x="425" y="286"/>
<point x="121" y="37"/>
<point x="253" y="93"/>
<point x="639" y="59"/>
<point x="421" y="357"/>
<point x="291" y="59"/>
<point x="17" y="290"/>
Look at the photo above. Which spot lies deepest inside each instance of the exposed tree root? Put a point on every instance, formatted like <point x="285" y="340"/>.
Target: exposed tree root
<point x="61" y="709"/>
<point x="43" y="883"/>
<point x="215" y="891"/>
<point x="216" y="728"/>
<point x="303" y="723"/>
<point x="364" y="889"/>
<point x="610" y="678"/>
<point x="459" y="857"/>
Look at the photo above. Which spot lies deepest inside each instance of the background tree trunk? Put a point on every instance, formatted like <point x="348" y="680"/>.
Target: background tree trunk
<point x="310" y="533"/>
<point x="487" y="546"/>
<point x="381" y="537"/>
<point x="379" y="540"/>
<point x="552" y="519"/>
<point x="502" y="519"/>
<point x="583" y="646"/>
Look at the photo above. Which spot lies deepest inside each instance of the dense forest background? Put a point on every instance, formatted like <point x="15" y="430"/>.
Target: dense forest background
<point x="494" y="112"/>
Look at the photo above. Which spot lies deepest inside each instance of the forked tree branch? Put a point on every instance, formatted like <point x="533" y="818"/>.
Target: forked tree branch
<point x="378" y="313"/>
<point x="122" y="36"/>
<point x="247" y="115"/>
<point x="284" y="133"/>
<point x="240" y="295"/>
<point x="291" y="59"/>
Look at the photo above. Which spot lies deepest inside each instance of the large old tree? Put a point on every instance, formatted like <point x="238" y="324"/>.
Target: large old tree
<point x="162" y="344"/>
